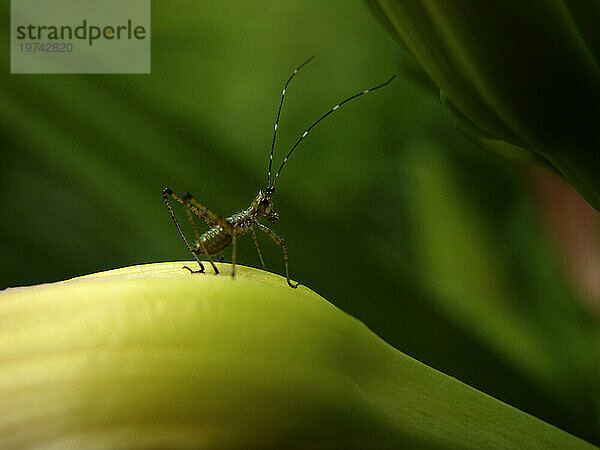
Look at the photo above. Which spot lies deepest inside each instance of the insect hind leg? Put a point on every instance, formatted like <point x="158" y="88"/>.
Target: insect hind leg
<point x="169" y="193"/>
<point x="202" y="249"/>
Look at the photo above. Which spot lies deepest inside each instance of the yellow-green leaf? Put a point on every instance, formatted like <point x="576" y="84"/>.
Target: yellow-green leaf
<point x="154" y="357"/>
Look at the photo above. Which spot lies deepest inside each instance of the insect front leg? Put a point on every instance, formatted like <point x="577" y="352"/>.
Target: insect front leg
<point x="257" y="247"/>
<point x="281" y="244"/>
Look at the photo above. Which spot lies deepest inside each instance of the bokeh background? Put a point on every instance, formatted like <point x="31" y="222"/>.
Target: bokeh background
<point x="460" y="258"/>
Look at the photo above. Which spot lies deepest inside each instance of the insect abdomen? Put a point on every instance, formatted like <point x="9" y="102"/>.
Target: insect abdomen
<point x="214" y="241"/>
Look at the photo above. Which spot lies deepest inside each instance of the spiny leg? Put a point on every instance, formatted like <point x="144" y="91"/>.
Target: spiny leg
<point x="257" y="247"/>
<point x="192" y="222"/>
<point x="166" y="193"/>
<point x="281" y="244"/>
<point x="199" y="245"/>
<point x="233" y="252"/>
<point x="200" y="210"/>
<point x="211" y="219"/>
<point x="207" y="215"/>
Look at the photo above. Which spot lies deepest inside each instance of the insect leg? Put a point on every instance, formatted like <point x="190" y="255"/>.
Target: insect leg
<point x="200" y="245"/>
<point x="166" y="193"/>
<point x="281" y="244"/>
<point x="233" y="252"/>
<point x="200" y="210"/>
<point x="257" y="247"/>
<point x="192" y="222"/>
<point x="206" y="214"/>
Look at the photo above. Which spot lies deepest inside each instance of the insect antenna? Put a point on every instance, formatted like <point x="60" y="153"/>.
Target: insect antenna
<point x="279" y="113"/>
<point x="366" y="91"/>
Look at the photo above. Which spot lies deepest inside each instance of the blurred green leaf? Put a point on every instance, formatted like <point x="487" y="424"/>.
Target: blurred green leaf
<point x="527" y="73"/>
<point x="464" y="271"/>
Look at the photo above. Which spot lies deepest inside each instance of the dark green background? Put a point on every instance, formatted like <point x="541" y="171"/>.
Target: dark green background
<point x="388" y="211"/>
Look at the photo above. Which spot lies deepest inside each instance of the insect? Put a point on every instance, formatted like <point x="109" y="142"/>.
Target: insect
<point x="226" y="231"/>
